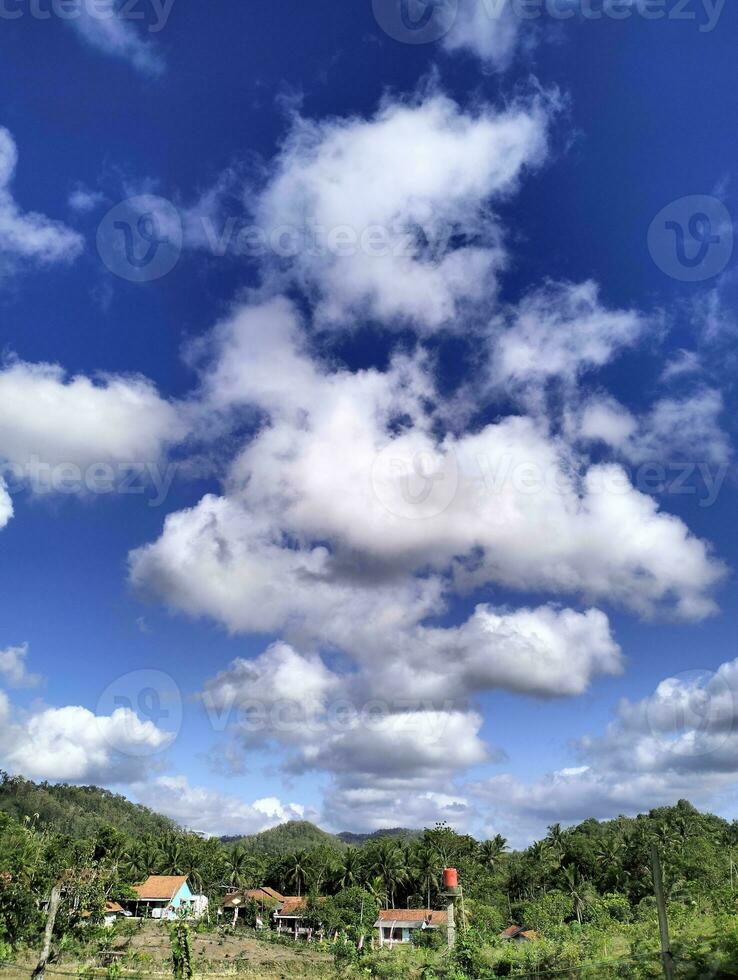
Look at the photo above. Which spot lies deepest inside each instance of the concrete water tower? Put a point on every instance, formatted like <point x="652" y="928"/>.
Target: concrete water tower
<point x="451" y="892"/>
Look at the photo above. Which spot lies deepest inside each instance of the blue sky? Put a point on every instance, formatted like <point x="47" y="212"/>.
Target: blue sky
<point x="369" y="403"/>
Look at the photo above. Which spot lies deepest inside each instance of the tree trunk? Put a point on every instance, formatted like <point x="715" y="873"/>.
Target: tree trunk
<point x="54" y="902"/>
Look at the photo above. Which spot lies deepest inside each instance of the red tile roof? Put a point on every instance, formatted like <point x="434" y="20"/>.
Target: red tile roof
<point x="291" y="906"/>
<point x="513" y="932"/>
<point x="113" y="907"/>
<point x="160" y="886"/>
<point x="273" y="893"/>
<point x="413" y="915"/>
<point x="234" y="899"/>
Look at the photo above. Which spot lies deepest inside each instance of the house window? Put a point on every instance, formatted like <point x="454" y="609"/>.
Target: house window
<point x="394" y="934"/>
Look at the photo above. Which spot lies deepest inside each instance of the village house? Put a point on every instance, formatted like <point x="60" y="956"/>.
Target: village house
<point x="167" y="897"/>
<point x="289" y="917"/>
<point x="267" y="899"/>
<point x="113" y="912"/>
<point x="518" y="934"/>
<point x="398" y="925"/>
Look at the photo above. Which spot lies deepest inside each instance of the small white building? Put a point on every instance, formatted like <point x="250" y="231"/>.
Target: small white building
<point x="398" y="925"/>
<point x="113" y="912"/>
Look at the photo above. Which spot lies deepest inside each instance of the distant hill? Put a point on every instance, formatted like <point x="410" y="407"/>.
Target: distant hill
<point x="357" y="840"/>
<point x="296" y="835"/>
<point x="77" y="810"/>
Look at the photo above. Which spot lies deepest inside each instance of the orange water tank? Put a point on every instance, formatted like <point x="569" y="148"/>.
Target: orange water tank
<point x="450" y="878"/>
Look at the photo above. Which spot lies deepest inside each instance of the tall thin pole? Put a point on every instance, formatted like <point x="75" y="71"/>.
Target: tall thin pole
<point x="658" y="886"/>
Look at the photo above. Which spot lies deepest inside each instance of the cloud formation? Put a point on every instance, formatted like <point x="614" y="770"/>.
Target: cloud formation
<point x="208" y="811"/>
<point x="679" y="742"/>
<point x="26" y="235"/>
<point x="73" y="744"/>
<point x="51" y="419"/>
<point x="332" y="493"/>
<point x="420" y="247"/>
<point x="111" y="32"/>
<point x="14" y="669"/>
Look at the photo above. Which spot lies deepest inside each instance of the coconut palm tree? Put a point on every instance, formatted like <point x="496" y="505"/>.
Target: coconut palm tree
<point x="239" y="867"/>
<point x="578" y="889"/>
<point x="426" y="870"/>
<point x="298" y="868"/>
<point x="351" y="871"/>
<point x="491" y="851"/>
<point x="387" y="862"/>
<point x="172" y="857"/>
<point x="556" y="841"/>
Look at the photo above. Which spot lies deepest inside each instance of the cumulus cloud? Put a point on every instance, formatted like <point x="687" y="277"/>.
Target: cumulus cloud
<point x="559" y="331"/>
<point x="416" y="248"/>
<point x="332" y="492"/>
<point x="544" y="652"/>
<point x="49" y="418"/>
<point x="14" y="669"/>
<point x="208" y="811"/>
<point x="383" y="804"/>
<point x="687" y="427"/>
<point x="26" y="235"/>
<point x="74" y="744"/>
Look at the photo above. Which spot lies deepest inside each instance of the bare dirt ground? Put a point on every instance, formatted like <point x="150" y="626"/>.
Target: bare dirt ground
<point x="147" y="953"/>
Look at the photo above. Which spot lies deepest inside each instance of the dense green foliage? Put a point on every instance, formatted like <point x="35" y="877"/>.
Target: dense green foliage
<point x="295" y="835"/>
<point x="76" y="810"/>
<point x="587" y="891"/>
<point x="356" y="840"/>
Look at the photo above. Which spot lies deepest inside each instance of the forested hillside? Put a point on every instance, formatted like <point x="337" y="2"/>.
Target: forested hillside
<point x="79" y="811"/>
<point x="399" y="833"/>
<point x="296" y="835"/>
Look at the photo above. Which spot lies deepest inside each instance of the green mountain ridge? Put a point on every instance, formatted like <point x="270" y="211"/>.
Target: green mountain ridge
<point x="285" y="838"/>
<point x="79" y="811"/>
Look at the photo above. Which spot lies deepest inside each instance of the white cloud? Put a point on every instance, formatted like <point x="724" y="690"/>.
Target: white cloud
<point x="395" y="804"/>
<point x="559" y="331"/>
<point x="544" y="652"/>
<point x="488" y="29"/>
<point x="13" y="667"/>
<point x="6" y="505"/>
<point x="26" y="235"/>
<point x="75" y="745"/>
<point x="208" y="811"/>
<point x="83" y="200"/>
<point x="330" y="179"/>
<point x="48" y="418"/>
<point x="328" y="535"/>
<point x="674" y="428"/>
<point x="681" y="364"/>
<point x="111" y="33"/>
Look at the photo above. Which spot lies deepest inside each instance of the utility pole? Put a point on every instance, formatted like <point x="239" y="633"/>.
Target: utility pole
<point x="658" y="886"/>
